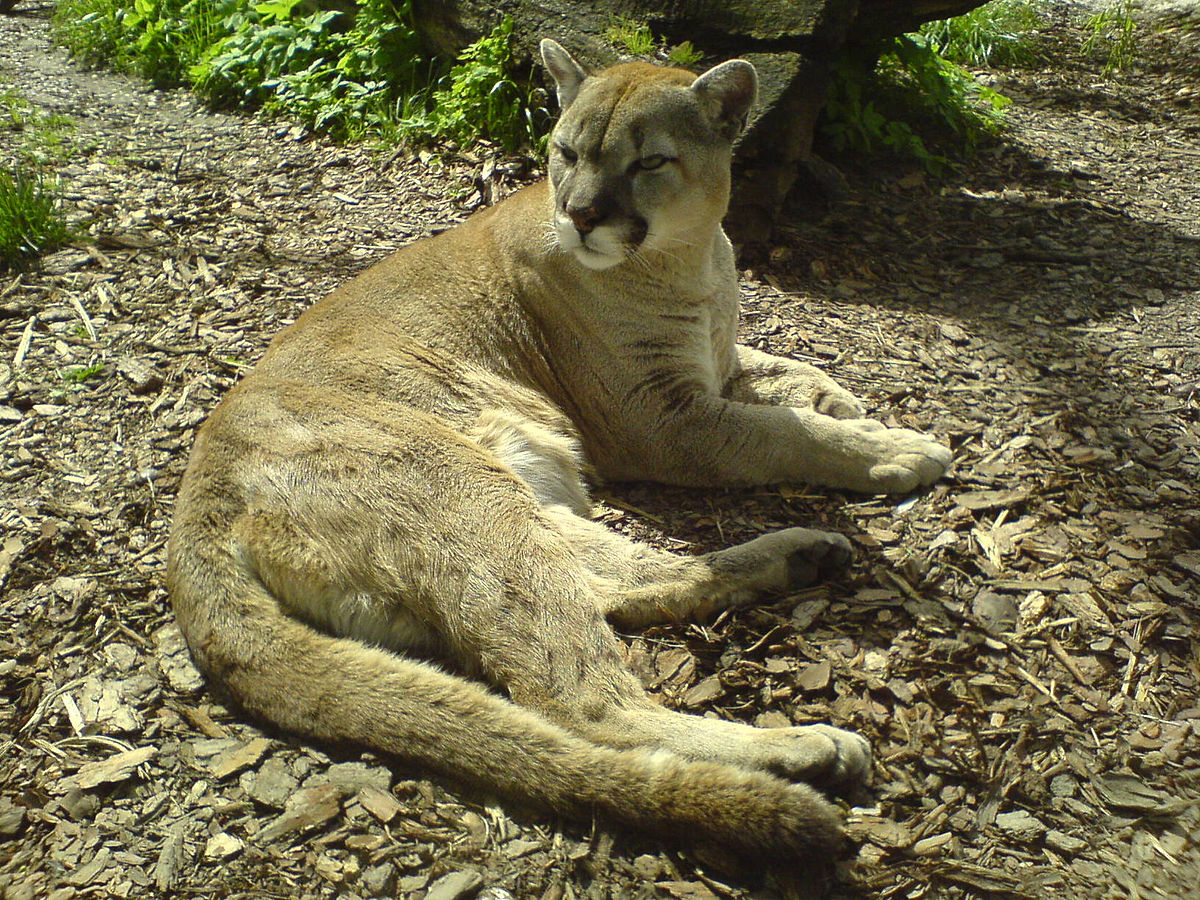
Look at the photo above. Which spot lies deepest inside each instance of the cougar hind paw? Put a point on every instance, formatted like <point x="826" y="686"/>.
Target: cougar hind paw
<point x="821" y="554"/>
<point x="821" y="755"/>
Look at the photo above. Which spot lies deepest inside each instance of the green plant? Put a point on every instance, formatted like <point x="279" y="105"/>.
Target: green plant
<point x="635" y="37"/>
<point x="91" y="30"/>
<point x="1113" y="33"/>
<point x="31" y="219"/>
<point x="852" y="121"/>
<point x="996" y="33"/>
<point x="868" y="108"/>
<point x="947" y="90"/>
<point x="685" y="55"/>
<point x="80" y="374"/>
<point x="347" y="76"/>
<point x="483" y="97"/>
<point x="157" y="39"/>
<point x="348" y="71"/>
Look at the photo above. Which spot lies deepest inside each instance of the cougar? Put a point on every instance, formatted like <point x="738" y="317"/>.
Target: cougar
<point x="384" y="536"/>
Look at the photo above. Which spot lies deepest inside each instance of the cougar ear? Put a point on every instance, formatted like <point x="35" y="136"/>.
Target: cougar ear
<point x="728" y="90"/>
<point x="568" y="75"/>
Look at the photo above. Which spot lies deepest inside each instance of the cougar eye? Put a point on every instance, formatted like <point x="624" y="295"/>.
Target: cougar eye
<point x="650" y="163"/>
<point x="567" y="153"/>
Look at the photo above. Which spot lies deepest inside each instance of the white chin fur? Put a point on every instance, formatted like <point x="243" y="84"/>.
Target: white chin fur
<point x="599" y="255"/>
<point x="591" y="259"/>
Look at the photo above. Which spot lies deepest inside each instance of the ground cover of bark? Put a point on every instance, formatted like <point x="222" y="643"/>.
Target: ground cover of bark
<point x="1019" y="642"/>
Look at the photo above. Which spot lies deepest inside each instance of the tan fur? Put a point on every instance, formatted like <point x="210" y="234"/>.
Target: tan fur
<point x="401" y="476"/>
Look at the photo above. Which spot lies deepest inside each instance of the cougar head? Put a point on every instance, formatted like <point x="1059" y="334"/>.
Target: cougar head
<point x="639" y="159"/>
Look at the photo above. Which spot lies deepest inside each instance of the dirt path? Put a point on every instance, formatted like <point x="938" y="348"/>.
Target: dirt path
<point x="1019" y="643"/>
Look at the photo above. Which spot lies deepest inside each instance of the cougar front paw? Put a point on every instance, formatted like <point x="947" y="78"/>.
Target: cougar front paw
<point x="817" y="754"/>
<point x="896" y="460"/>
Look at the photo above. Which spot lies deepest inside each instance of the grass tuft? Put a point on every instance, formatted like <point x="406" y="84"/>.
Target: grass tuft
<point x="684" y="55"/>
<point x="31" y="219"/>
<point x="1112" y="34"/>
<point x="633" y="36"/>
<point x="45" y="137"/>
<point x="1002" y="32"/>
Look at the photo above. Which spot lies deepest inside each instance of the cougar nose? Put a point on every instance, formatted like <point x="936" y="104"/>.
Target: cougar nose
<point x="584" y="218"/>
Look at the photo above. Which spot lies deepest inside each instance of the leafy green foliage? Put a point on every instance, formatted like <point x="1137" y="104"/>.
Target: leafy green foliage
<point x="483" y="98"/>
<point x="334" y="72"/>
<point x="156" y="39"/>
<point x="947" y="90"/>
<point x="31" y="219"/>
<point x="685" y="55"/>
<point x="92" y="30"/>
<point x="636" y="38"/>
<point x="998" y="33"/>
<point x="350" y="73"/>
<point x="852" y="121"/>
<point x="1112" y="33"/>
<point x="867" y="110"/>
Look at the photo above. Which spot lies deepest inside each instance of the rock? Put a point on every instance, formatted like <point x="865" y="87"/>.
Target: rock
<point x="80" y="805"/>
<point x="237" y="758"/>
<point x="703" y="692"/>
<point x="997" y="612"/>
<point x="141" y="374"/>
<point x="932" y="846"/>
<point x="352" y="777"/>
<point x="102" y="702"/>
<point x="1128" y="792"/>
<point x="171" y="855"/>
<point x="272" y="784"/>
<point x="1063" y="785"/>
<point x="175" y="661"/>
<point x="815" y="676"/>
<point x="1064" y="843"/>
<point x="381" y="804"/>
<point x="90" y="871"/>
<point x="378" y="881"/>
<point x="121" y="656"/>
<point x="12" y="820"/>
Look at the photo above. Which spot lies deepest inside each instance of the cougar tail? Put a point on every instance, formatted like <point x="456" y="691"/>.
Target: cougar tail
<point x="334" y="689"/>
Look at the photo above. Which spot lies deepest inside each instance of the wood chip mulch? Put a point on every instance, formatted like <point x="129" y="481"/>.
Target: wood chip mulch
<point x="1020" y="642"/>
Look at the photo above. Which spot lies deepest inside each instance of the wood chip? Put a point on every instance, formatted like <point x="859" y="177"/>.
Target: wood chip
<point x="381" y="804"/>
<point x="307" y="809"/>
<point x="118" y="767"/>
<point x="234" y="760"/>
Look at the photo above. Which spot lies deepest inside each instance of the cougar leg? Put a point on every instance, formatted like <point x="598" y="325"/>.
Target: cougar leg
<point x="643" y="584"/>
<point x="648" y="586"/>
